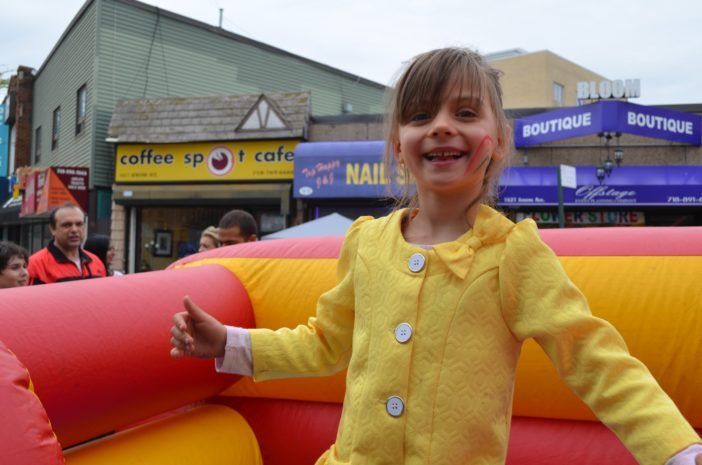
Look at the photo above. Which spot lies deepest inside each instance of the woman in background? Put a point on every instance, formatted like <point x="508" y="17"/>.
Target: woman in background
<point x="209" y="239"/>
<point x="99" y="245"/>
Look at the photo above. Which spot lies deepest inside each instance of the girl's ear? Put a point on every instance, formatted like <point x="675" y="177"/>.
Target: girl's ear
<point x="396" y="151"/>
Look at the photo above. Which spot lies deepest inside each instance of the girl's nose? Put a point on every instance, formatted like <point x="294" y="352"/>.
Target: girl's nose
<point x="442" y="125"/>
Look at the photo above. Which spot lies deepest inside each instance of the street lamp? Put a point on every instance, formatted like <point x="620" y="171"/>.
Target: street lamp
<point x="600" y="173"/>
<point x="618" y="151"/>
<point x="618" y="155"/>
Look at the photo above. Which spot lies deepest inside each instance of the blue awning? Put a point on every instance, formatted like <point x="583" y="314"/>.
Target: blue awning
<point x="340" y="170"/>
<point x="608" y="116"/>
<point x="627" y="185"/>
<point x="326" y="170"/>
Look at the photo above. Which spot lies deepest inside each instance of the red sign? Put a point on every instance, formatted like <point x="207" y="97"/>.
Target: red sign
<point x="29" y="201"/>
<point x="55" y="186"/>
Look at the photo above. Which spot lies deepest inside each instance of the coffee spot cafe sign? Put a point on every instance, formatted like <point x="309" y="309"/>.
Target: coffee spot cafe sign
<point x="209" y="161"/>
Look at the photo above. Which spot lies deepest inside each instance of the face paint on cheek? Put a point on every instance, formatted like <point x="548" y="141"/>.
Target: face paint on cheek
<point x="480" y="156"/>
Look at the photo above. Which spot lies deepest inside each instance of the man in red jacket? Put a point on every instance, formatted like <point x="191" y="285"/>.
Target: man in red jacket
<point x="64" y="259"/>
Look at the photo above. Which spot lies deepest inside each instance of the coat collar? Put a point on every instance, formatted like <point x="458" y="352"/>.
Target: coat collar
<point x="60" y="257"/>
<point x="490" y="227"/>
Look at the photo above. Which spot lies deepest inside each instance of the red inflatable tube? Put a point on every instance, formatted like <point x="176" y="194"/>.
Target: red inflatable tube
<point x="23" y="420"/>
<point x="298" y="432"/>
<point x="289" y="432"/>
<point x="98" y="350"/>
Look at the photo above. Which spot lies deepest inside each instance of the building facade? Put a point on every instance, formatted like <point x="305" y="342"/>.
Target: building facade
<point x="539" y="79"/>
<point x="123" y="49"/>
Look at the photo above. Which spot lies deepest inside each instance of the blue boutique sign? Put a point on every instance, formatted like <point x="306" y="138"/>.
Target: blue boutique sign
<point x="608" y="116"/>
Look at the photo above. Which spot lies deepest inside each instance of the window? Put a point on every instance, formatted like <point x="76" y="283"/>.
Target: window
<point x="56" y="128"/>
<point x="37" y="145"/>
<point x="81" y="103"/>
<point x="558" y="91"/>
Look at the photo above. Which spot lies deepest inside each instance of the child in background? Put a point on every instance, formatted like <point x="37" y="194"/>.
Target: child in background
<point x="434" y="302"/>
<point x="13" y="265"/>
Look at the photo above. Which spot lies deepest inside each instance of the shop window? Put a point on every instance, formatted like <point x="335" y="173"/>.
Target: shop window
<point x="81" y="104"/>
<point x="558" y="91"/>
<point x="56" y="128"/>
<point x="37" y="145"/>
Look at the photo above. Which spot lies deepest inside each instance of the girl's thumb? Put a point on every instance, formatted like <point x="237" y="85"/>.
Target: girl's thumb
<point x="195" y="312"/>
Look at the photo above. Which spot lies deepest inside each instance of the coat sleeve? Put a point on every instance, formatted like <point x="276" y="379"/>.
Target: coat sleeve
<point x="540" y="301"/>
<point x="37" y="273"/>
<point x="323" y="345"/>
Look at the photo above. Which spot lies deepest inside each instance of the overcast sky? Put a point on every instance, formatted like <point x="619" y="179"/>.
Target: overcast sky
<point x="657" y="41"/>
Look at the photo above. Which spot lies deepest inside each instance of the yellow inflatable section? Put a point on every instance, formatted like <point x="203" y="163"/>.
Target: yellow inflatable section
<point x="649" y="299"/>
<point x="207" y="435"/>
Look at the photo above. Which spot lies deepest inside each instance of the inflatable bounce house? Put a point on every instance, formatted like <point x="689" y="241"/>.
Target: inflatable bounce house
<point x="86" y="377"/>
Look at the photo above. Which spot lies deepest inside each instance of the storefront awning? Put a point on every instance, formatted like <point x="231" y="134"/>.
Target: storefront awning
<point x="326" y="170"/>
<point x="193" y="194"/>
<point x="626" y="186"/>
<point x="608" y="116"/>
<point x="340" y="170"/>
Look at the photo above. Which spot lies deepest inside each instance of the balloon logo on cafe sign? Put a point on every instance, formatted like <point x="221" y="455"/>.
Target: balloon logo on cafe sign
<point x="220" y="161"/>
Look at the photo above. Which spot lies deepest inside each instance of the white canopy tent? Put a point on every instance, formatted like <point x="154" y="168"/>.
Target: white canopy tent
<point x="330" y="225"/>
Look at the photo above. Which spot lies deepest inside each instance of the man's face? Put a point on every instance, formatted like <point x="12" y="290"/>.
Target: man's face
<point x="68" y="232"/>
<point x="233" y="236"/>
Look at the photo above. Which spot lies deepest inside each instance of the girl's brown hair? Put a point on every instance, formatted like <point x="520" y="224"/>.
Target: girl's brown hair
<point x="422" y="87"/>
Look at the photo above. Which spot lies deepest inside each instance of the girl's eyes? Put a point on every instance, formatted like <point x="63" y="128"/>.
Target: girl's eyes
<point x="466" y="113"/>
<point x="421" y="116"/>
<point x="425" y="116"/>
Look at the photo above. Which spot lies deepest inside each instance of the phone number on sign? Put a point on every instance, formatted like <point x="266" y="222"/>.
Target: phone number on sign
<point x="685" y="199"/>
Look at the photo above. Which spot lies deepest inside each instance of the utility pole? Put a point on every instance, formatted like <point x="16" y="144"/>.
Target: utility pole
<point x="566" y="178"/>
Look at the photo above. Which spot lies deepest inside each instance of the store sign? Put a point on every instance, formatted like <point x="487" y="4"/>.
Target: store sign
<point x="209" y="161"/>
<point x="627" y="185"/>
<point x="48" y="188"/>
<point x="586" y="218"/>
<point x="628" y="88"/>
<point x="608" y="116"/>
<point x="343" y="177"/>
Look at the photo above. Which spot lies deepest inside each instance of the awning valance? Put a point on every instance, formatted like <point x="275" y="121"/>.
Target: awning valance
<point x="355" y="170"/>
<point x="167" y="194"/>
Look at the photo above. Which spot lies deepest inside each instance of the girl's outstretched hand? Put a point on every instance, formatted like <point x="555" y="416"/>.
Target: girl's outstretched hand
<point x="196" y="333"/>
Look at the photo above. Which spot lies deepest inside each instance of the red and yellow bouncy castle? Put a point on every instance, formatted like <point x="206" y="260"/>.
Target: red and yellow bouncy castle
<point x="86" y="378"/>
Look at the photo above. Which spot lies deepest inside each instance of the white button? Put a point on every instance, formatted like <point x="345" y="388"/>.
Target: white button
<point x="403" y="332"/>
<point x="395" y="406"/>
<point x="416" y="263"/>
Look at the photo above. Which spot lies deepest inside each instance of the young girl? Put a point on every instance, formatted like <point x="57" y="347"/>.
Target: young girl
<point x="434" y="302"/>
<point x="13" y="265"/>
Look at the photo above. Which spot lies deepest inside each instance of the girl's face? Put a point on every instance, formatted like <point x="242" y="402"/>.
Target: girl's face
<point x="15" y="273"/>
<point x="448" y="150"/>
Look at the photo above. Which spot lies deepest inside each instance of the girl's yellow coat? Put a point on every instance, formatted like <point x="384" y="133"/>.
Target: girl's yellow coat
<point x="471" y="306"/>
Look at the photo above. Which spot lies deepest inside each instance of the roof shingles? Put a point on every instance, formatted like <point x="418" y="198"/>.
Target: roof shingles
<point x="200" y="119"/>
